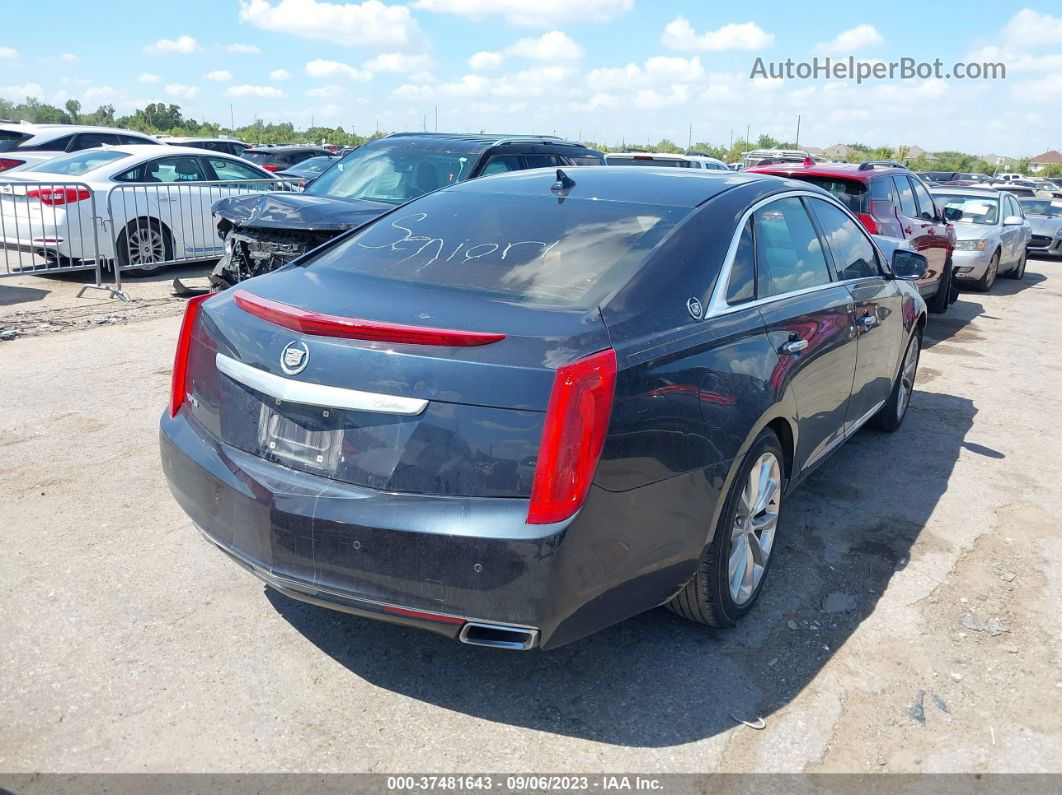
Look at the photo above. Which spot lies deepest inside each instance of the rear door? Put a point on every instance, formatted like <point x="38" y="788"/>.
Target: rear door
<point x="877" y="316"/>
<point x="808" y="319"/>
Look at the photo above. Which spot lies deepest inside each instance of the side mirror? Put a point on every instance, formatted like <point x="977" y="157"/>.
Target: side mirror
<point x="952" y="213"/>
<point x="1013" y="220"/>
<point x="908" y="265"/>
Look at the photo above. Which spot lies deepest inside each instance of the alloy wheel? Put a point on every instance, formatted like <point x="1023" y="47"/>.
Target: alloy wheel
<point x="907" y="378"/>
<point x="755" y="523"/>
<point x="146" y="247"/>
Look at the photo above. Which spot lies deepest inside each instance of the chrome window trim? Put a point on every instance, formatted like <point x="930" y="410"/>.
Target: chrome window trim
<point x="718" y="305"/>
<point x="329" y="397"/>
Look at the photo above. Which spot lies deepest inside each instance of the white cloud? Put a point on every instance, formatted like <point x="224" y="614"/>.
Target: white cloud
<point x="552" y="46"/>
<point x="398" y="63"/>
<point x="485" y="60"/>
<point x="1030" y="28"/>
<point x="660" y="70"/>
<point x="330" y="91"/>
<point x="280" y="74"/>
<point x="253" y="91"/>
<point x="367" y="24"/>
<point x="242" y="49"/>
<point x="24" y="90"/>
<point x="219" y="76"/>
<point x="148" y="77"/>
<point x="8" y="52"/>
<point x="182" y="45"/>
<point x="95" y="95"/>
<point x="69" y="57"/>
<point x="538" y="14"/>
<point x="848" y="41"/>
<point x="679" y="35"/>
<point x="181" y="90"/>
<point x="332" y="69"/>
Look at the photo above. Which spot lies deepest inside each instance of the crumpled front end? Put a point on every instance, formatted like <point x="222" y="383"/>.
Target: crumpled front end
<point x="251" y="251"/>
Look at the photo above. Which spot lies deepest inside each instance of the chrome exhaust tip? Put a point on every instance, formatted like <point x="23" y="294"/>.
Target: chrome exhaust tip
<point x="498" y="636"/>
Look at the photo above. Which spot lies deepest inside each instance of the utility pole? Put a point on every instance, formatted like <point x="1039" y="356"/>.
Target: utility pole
<point x="232" y="118"/>
<point x="748" y="128"/>
<point x="690" y="144"/>
<point x="797" y="144"/>
<point x="436" y="118"/>
<point x="424" y="122"/>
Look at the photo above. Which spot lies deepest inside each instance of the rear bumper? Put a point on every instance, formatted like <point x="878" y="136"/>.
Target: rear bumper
<point x="473" y="560"/>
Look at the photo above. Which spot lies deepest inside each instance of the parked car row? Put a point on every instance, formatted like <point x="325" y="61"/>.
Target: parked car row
<point x="516" y="405"/>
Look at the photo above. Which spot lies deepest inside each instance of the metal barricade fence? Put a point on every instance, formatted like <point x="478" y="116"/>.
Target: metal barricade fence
<point x="51" y="227"/>
<point x="157" y="224"/>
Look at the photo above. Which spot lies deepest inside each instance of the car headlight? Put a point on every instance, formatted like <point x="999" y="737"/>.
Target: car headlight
<point x="971" y="245"/>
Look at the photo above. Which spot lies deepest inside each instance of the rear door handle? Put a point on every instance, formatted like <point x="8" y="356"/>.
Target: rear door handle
<point x="793" y="346"/>
<point x="868" y="322"/>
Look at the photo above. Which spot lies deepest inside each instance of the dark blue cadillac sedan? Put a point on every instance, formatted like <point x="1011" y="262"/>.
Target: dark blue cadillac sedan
<point x="523" y="408"/>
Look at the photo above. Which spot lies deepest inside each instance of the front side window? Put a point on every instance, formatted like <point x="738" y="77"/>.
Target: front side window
<point x="501" y="164"/>
<point x="230" y="169"/>
<point x="906" y="195"/>
<point x="853" y="253"/>
<point x="789" y="256"/>
<point x="926" y="210"/>
<point x="92" y="140"/>
<point x="541" y="161"/>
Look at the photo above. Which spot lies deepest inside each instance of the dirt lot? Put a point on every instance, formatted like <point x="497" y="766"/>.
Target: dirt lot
<point x="912" y="621"/>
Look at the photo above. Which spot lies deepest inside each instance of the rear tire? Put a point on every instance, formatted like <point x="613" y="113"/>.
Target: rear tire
<point x="941" y="300"/>
<point x="890" y="416"/>
<point x="1018" y="271"/>
<point x="144" y="246"/>
<point x="984" y="284"/>
<point x="733" y="567"/>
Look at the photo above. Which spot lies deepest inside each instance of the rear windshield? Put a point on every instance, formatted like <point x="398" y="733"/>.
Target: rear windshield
<point x="661" y="162"/>
<point x="260" y="157"/>
<point x="526" y="249"/>
<point x="79" y="163"/>
<point x="850" y="192"/>
<point x="9" y="139"/>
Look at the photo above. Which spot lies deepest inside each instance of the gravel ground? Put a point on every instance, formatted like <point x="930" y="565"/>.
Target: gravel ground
<point x="912" y="621"/>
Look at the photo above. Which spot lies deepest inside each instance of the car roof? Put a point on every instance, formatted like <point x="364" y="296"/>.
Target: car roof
<point x="480" y="142"/>
<point x="972" y="190"/>
<point x="64" y="129"/>
<point x="261" y="148"/>
<point x="186" y="138"/>
<point x="676" y="187"/>
<point x="845" y="170"/>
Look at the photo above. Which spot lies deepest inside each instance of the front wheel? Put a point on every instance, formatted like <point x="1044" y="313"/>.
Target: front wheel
<point x="733" y="567"/>
<point x="144" y="246"/>
<point x="890" y="416"/>
<point x="941" y="300"/>
<point x="984" y="284"/>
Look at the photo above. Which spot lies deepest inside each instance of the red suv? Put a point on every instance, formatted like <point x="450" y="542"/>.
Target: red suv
<point x="889" y="200"/>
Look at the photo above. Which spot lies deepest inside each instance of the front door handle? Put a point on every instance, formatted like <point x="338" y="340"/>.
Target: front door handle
<point x="793" y="346"/>
<point x="867" y="322"/>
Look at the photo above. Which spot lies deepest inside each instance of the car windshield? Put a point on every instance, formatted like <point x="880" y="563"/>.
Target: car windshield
<point x="79" y="163"/>
<point x="259" y="157"/>
<point x="975" y="209"/>
<point x="395" y="171"/>
<point x="1040" y="207"/>
<point x="520" y="248"/>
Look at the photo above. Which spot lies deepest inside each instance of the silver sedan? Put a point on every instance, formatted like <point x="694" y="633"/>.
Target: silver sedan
<point x="991" y="234"/>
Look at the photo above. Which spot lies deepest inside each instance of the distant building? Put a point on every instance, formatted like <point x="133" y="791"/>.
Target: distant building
<point x="838" y="152"/>
<point x="1000" y="162"/>
<point x="914" y="153"/>
<point x="1051" y="157"/>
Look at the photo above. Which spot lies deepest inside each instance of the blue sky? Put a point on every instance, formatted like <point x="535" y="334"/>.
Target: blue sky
<point x="610" y="70"/>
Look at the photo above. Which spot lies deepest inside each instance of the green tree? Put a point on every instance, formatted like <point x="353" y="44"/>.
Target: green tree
<point x="73" y="110"/>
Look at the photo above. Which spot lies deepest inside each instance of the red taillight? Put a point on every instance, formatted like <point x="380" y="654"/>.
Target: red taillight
<point x="869" y="223"/>
<point x="269" y="168"/>
<point x="574" y="433"/>
<point x="178" y="384"/>
<point x="54" y="196"/>
<point x="7" y="162"/>
<point x="322" y="325"/>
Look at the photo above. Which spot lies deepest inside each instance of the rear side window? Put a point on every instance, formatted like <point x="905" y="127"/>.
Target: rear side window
<point x="789" y="256"/>
<point x="92" y="140"/>
<point x="501" y="164"/>
<point x="742" y="286"/>
<point x="258" y="157"/>
<point x="906" y="195"/>
<point x="881" y="189"/>
<point x="853" y="254"/>
<point x="174" y="169"/>
<point x="541" y="161"/>
<point x="136" y="139"/>
<point x="55" y="145"/>
<point x="9" y="139"/>
<point x="519" y="248"/>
